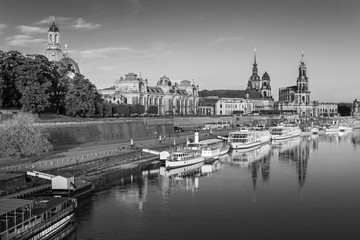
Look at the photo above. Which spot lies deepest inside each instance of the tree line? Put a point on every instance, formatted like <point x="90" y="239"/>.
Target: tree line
<point x="35" y="84"/>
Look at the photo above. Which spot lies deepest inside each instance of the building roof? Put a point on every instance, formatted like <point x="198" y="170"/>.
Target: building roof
<point x="109" y="88"/>
<point x="70" y="64"/>
<point x="266" y="76"/>
<point x="53" y="28"/>
<point x="66" y="175"/>
<point x="154" y="90"/>
<point x="7" y="205"/>
<point x="208" y="101"/>
<point x="44" y="204"/>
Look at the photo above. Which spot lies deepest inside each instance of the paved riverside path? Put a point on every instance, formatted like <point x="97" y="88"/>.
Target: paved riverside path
<point x="92" y="151"/>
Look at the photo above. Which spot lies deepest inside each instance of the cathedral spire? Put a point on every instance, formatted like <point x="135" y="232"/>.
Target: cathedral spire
<point x="302" y="56"/>
<point x="255" y="57"/>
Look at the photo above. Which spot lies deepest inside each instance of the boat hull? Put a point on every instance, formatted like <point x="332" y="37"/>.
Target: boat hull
<point x="183" y="163"/>
<point x="238" y="145"/>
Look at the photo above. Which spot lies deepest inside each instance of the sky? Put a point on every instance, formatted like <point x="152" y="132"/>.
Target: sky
<point x="210" y="42"/>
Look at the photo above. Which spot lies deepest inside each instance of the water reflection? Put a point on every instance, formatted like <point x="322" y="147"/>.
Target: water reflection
<point x="180" y="178"/>
<point x="244" y="157"/>
<point x="209" y="198"/>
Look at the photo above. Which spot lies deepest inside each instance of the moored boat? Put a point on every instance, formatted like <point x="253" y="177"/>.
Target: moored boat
<point x="243" y="139"/>
<point x="344" y="128"/>
<point x="184" y="158"/>
<point x="284" y="132"/>
<point x="210" y="148"/>
<point x="36" y="219"/>
<point x="332" y="129"/>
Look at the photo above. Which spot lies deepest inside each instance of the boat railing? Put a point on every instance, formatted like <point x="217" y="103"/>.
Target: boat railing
<point x="45" y="224"/>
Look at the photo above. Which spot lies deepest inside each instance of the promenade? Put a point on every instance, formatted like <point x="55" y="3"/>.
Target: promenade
<point x="72" y="155"/>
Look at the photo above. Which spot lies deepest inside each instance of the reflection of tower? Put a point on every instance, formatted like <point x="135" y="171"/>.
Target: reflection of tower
<point x="301" y="162"/>
<point x="254" y="173"/>
<point x="265" y="169"/>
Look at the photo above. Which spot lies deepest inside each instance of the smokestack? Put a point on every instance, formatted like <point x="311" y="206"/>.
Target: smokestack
<point x="196" y="138"/>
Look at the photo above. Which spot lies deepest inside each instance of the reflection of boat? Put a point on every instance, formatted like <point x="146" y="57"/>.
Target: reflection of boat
<point x="209" y="168"/>
<point x="286" y="144"/>
<point x="244" y="157"/>
<point x="314" y="130"/>
<point x="333" y="128"/>
<point x="180" y="171"/>
<point x="184" y="158"/>
<point x="243" y="139"/>
<point x="34" y="219"/>
<point x="284" y="132"/>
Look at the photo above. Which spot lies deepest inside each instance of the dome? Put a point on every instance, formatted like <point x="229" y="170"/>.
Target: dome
<point x="266" y="76"/>
<point x="53" y="28"/>
<point x="54" y="54"/>
<point x="164" y="81"/>
<point x="70" y="64"/>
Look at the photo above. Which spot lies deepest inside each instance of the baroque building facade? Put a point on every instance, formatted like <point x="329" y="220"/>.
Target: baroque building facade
<point x="54" y="53"/>
<point x="230" y="106"/>
<point x="170" y="97"/>
<point x="355" y="108"/>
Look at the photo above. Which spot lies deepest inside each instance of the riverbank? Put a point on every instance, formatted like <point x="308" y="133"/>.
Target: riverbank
<point x="90" y="161"/>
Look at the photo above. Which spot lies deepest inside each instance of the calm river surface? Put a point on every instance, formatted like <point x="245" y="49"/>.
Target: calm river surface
<point x="303" y="188"/>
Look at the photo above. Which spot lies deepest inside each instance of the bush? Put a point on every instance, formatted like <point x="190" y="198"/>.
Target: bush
<point x="19" y="137"/>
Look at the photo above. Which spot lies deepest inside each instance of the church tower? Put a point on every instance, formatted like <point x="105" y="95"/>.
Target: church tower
<point x="254" y="82"/>
<point x="265" y="86"/>
<point x="53" y="51"/>
<point x="302" y="95"/>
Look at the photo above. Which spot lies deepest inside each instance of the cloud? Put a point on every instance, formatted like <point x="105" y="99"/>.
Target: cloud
<point x="2" y="27"/>
<point x="221" y="40"/>
<point x="24" y="40"/>
<point x="103" y="51"/>
<point x="82" y="24"/>
<point x="48" y="20"/>
<point x="30" y="30"/>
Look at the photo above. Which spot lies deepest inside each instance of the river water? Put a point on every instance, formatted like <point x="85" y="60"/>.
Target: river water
<point x="303" y="188"/>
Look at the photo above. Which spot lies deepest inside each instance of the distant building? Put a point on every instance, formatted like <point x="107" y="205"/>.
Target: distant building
<point x="207" y="105"/>
<point x="54" y="53"/>
<point x="171" y="98"/>
<point x="261" y="85"/>
<point x="355" y="108"/>
<point x="296" y="98"/>
<point x="327" y="109"/>
<point x="230" y="106"/>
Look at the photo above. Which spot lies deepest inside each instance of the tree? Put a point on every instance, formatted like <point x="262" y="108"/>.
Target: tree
<point x="123" y="110"/>
<point x="140" y="109"/>
<point x="132" y="109"/>
<point x="34" y="82"/>
<point x="115" y="109"/>
<point x="60" y="83"/>
<point x="153" y="110"/>
<point x="80" y="99"/>
<point x="107" y="109"/>
<point x="19" y="137"/>
<point x="99" y="109"/>
<point x="9" y="94"/>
